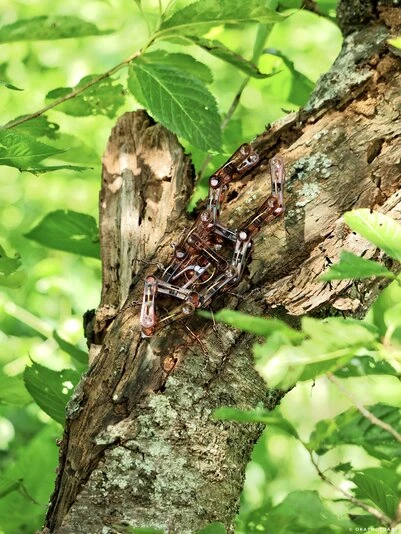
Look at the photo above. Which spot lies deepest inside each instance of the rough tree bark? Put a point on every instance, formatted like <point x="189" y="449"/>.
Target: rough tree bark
<point x="140" y="447"/>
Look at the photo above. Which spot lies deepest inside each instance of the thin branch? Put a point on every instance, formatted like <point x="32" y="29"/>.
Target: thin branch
<point x="366" y="413"/>
<point x="383" y="518"/>
<point x="261" y="36"/>
<point x="225" y="121"/>
<point x="75" y="92"/>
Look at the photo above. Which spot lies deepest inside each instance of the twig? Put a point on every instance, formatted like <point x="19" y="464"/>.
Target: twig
<point x="383" y="518"/>
<point x="225" y="121"/>
<point x="366" y="413"/>
<point x="75" y="92"/>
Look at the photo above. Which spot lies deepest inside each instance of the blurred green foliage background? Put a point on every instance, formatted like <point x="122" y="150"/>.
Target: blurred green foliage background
<point x="56" y="288"/>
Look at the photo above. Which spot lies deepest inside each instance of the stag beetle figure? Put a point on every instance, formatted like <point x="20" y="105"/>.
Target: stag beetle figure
<point x="211" y="258"/>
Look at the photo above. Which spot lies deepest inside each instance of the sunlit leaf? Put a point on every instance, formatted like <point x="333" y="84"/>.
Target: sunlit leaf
<point x="330" y="345"/>
<point x="379" y="229"/>
<point x="338" y="332"/>
<point x="50" y="389"/>
<point x="392" y="316"/>
<point x="396" y="42"/>
<point x="184" y="62"/>
<point x="354" y="267"/>
<point x="103" y="98"/>
<point x="23" y="151"/>
<point x="178" y="100"/>
<point x="218" y="49"/>
<point x="388" y="298"/>
<point x="200" y="16"/>
<point x="48" y="28"/>
<point x="10" y="86"/>
<point x="69" y="231"/>
<point x="259" y="326"/>
<point x="351" y="427"/>
<point x="377" y="491"/>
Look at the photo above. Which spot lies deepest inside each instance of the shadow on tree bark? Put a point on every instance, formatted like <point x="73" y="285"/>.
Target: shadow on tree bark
<point x="140" y="446"/>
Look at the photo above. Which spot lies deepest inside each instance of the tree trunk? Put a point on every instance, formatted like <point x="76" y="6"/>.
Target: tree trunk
<point x="140" y="446"/>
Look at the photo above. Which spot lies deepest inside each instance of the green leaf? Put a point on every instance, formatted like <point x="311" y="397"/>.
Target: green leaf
<point x="23" y="151"/>
<point x="396" y="42"/>
<point x="13" y="280"/>
<point x="78" y="151"/>
<point x="365" y="521"/>
<point x="10" y="86"/>
<point x="184" y="62"/>
<point x="345" y="467"/>
<point x="199" y="17"/>
<point x="330" y="345"/>
<point x="76" y="354"/>
<point x="258" y="415"/>
<point x="392" y="317"/>
<point x="337" y="332"/>
<point x="387" y="475"/>
<point x="42" y="169"/>
<point x="218" y="49"/>
<point x="124" y="529"/>
<point x="388" y="298"/>
<point x="37" y="127"/>
<point x="365" y="365"/>
<point x="379" y="229"/>
<point x="22" y="509"/>
<point x="178" y="100"/>
<point x="354" y="267"/>
<point x="301" y="511"/>
<point x="48" y="28"/>
<point x="377" y="491"/>
<point x="69" y="231"/>
<point x="327" y="8"/>
<point x="9" y="277"/>
<point x="301" y="86"/>
<point x="213" y="528"/>
<point x="256" y="325"/>
<point x="8" y="265"/>
<point x="103" y="98"/>
<point x="12" y="390"/>
<point x="352" y="428"/>
<point x="50" y="389"/>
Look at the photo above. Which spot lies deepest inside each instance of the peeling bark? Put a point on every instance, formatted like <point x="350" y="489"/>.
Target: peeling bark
<point x="140" y="446"/>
